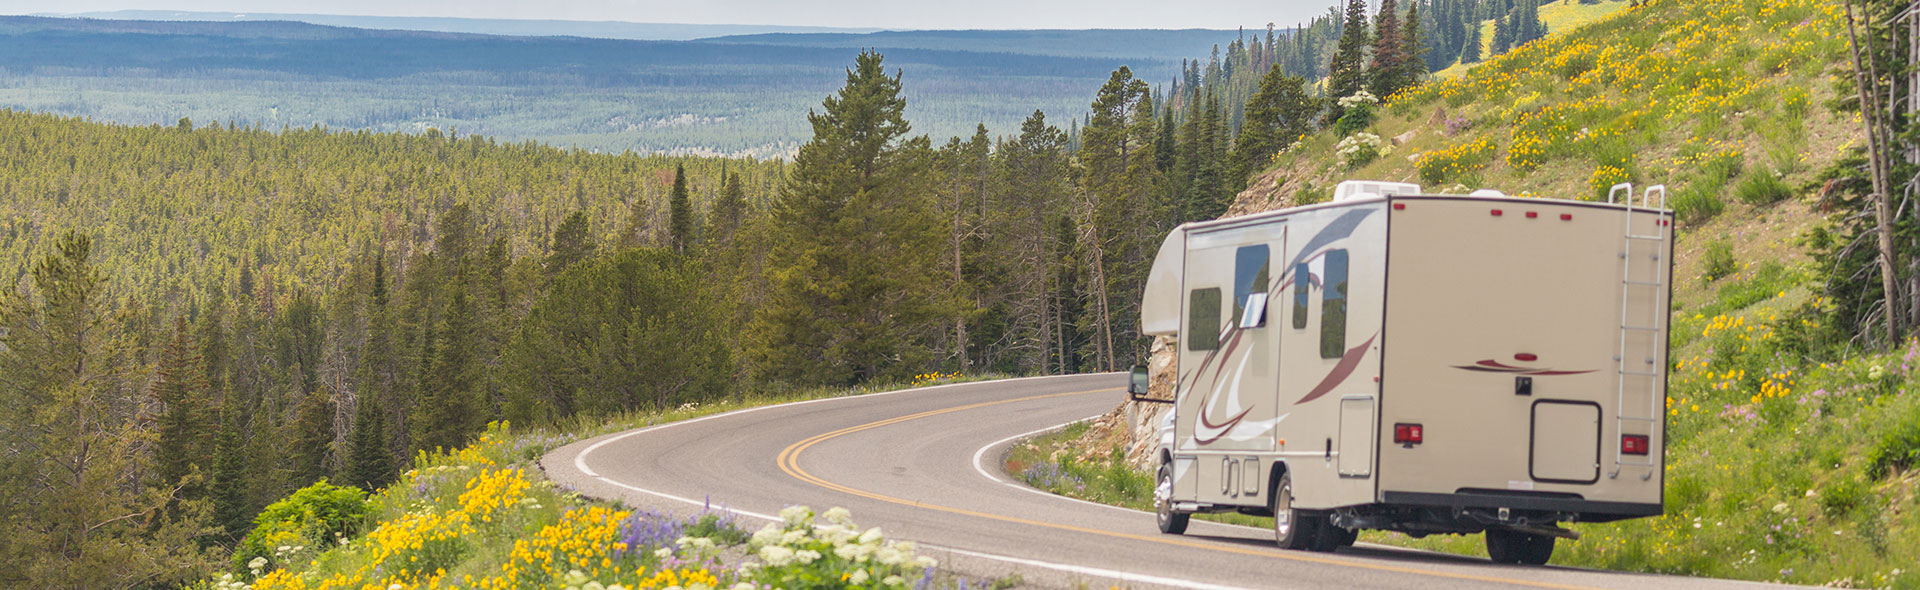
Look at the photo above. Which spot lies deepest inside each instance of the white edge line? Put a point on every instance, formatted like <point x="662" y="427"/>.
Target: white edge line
<point x="1060" y="567"/>
<point x="980" y="455"/>
<point x="580" y="460"/>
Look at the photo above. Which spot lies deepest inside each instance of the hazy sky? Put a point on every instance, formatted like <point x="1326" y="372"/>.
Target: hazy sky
<point x="897" y="14"/>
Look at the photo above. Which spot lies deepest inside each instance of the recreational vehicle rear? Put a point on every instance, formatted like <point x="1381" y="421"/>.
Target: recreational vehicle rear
<point x="1415" y="363"/>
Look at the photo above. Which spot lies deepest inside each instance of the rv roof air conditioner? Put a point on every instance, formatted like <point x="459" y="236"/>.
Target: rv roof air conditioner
<point x="1359" y="189"/>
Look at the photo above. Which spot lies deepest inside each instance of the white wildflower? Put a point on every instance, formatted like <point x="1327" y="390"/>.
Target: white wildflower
<point x="663" y="553"/>
<point x="791" y="537"/>
<point x="796" y="515"/>
<point x="925" y="562"/>
<point x="767" y="535"/>
<point x="776" y="555"/>
<point x="894" y="581"/>
<point x="806" y="556"/>
<point x="889" y="556"/>
<point x="839" y="516"/>
<point x="1358" y="98"/>
<point x="858" y="577"/>
<point x="872" y="535"/>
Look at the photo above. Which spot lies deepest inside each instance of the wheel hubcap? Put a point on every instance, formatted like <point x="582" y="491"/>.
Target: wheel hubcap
<point x="1283" y="511"/>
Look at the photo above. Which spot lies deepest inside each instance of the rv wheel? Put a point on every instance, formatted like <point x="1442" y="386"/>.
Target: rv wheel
<point x="1172" y="523"/>
<point x="1294" y="529"/>
<point x="1510" y="546"/>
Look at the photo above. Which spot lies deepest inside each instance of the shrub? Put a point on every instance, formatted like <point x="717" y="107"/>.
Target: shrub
<point x="1842" y="497"/>
<point x="1719" y="260"/>
<point x="308" y="517"/>
<point x="1762" y="187"/>
<point x="1898" y="449"/>
<point x="1697" y="203"/>
<point x="1443" y="165"/>
<point x="1604" y="178"/>
<point x="1360" y="149"/>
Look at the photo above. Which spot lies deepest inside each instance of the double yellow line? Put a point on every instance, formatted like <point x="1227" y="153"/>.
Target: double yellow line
<point x="789" y="461"/>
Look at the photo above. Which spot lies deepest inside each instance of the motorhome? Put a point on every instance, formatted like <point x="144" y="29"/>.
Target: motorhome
<point x="1429" y="364"/>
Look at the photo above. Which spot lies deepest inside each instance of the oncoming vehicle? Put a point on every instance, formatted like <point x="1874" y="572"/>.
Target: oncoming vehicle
<point x="1416" y="363"/>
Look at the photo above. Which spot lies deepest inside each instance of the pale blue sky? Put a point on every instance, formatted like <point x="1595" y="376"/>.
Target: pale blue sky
<point x="895" y="14"/>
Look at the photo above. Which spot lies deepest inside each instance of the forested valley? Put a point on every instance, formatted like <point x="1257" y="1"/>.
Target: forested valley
<point x="198" y="319"/>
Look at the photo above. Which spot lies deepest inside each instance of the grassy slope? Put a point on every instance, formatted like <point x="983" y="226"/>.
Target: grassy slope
<point x="1559" y="17"/>
<point x="1773" y="470"/>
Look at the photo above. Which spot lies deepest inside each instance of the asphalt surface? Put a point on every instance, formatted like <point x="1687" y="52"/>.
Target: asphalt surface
<point x="924" y="465"/>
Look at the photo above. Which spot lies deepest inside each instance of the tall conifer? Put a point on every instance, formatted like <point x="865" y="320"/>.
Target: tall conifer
<point x="1347" y="74"/>
<point x="680" y="212"/>
<point x="1389" y="52"/>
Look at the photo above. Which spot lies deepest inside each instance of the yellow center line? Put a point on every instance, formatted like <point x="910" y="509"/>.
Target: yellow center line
<point x="789" y="461"/>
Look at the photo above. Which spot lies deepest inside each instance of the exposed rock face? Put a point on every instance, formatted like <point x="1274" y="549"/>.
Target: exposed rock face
<point x="1143" y="419"/>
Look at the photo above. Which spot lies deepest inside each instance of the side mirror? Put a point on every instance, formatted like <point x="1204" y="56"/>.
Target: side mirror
<point x="1137" y="385"/>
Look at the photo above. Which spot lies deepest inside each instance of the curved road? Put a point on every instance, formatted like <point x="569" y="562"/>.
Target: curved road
<point x="923" y="464"/>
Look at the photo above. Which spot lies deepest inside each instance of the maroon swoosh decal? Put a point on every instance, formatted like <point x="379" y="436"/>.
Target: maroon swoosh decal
<point x="1341" y="371"/>
<point x="1487" y="370"/>
<point x="1224" y="428"/>
<point x="1498" y="365"/>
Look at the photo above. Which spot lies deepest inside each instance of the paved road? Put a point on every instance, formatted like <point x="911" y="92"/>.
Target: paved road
<point x="923" y="465"/>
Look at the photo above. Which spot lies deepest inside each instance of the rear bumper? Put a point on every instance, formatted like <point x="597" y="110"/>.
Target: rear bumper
<point x="1589" y="510"/>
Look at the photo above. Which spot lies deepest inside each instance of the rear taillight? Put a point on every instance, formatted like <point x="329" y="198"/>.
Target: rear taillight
<point x="1407" y="434"/>
<point x="1634" y="444"/>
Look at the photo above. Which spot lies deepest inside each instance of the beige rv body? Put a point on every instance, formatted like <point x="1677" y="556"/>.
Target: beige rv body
<point x="1525" y="337"/>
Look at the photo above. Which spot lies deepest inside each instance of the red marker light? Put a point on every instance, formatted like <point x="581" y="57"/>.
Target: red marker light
<point x="1526" y="357"/>
<point x="1566" y="217"/>
<point x="1399" y="206"/>
<point x="1408" y="434"/>
<point x="1531" y="215"/>
<point x="1634" y="444"/>
<point x="1496" y="212"/>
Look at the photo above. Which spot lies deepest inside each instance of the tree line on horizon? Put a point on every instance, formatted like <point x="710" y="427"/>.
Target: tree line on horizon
<point x="404" y="291"/>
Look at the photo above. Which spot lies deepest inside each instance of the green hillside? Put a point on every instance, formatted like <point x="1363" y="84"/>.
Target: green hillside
<point x="1792" y="455"/>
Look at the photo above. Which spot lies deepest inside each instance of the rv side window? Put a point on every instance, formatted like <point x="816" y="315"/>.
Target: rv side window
<point x="1333" y="306"/>
<point x="1249" y="278"/>
<point x="1302" y="281"/>
<point x="1203" y="319"/>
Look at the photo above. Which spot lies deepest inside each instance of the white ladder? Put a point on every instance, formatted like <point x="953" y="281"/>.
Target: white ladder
<point x="1651" y="371"/>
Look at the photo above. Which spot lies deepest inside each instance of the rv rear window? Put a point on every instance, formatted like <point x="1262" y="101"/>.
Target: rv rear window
<point x="1203" y="319"/>
<point x="1333" y="306"/>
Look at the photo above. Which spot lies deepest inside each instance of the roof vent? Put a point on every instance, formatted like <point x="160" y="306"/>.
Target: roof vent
<point x="1487" y="192"/>
<point x="1361" y="189"/>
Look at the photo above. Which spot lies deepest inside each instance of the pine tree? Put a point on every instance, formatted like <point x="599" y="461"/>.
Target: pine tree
<point x="726" y="214"/>
<point x="450" y="410"/>
<point x="186" y="417"/>
<point x="312" y="435"/>
<point x="1384" y="75"/>
<point x="572" y="243"/>
<point x="1471" y="47"/>
<point x="75" y="447"/>
<point x="232" y="508"/>
<point x="370" y="464"/>
<point x="1502" y="34"/>
<point x="680" y="211"/>
<point x="1415" y="67"/>
<point x="1347" y="75"/>
<point x="853" y="245"/>
<point x="1276" y="118"/>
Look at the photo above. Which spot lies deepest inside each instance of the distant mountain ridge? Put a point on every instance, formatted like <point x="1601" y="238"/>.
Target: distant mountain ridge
<point x="483" y="26"/>
<point x="732" y="95"/>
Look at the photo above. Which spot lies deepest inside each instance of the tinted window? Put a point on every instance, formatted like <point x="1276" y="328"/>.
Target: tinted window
<point x="1302" y="283"/>
<point x="1249" y="277"/>
<point x="1203" y="319"/>
<point x="1333" y="306"/>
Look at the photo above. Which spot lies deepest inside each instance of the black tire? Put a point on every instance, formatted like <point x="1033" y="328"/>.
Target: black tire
<point x="1172" y="523"/>
<point x="1510" y="546"/>
<point x="1343" y="537"/>
<point x="1295" y="529"/>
